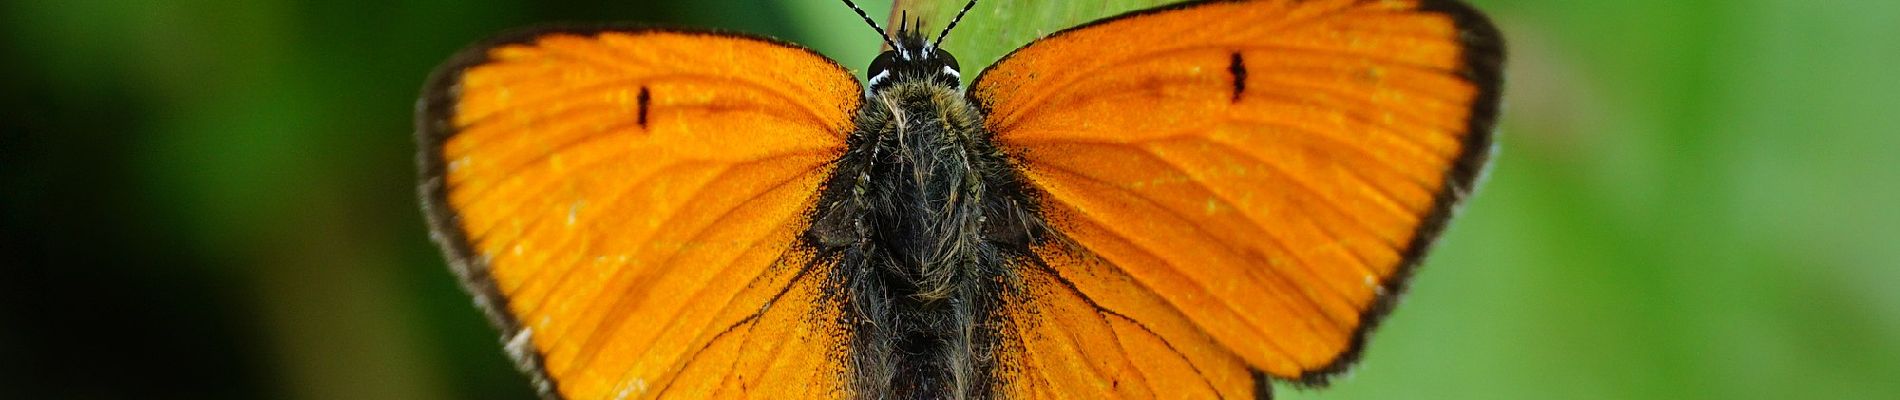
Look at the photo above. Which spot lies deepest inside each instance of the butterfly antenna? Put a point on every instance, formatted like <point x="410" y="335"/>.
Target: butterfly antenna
<point x="867" y="19"/>
<point x="953" y="24"/>
<point x="903" y="26"/>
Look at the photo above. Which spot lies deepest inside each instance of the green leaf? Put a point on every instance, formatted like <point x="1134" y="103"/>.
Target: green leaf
<point x="993" y="28"/>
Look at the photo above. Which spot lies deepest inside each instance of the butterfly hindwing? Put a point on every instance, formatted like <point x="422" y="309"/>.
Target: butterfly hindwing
<point x="1238" y="186"/>
<point x="627" y="204"/>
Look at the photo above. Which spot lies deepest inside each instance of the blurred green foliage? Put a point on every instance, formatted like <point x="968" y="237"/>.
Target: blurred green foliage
<point x="215" y="199"/>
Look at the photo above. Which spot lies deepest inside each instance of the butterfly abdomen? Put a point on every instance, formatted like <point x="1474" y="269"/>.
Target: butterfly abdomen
<point x="921" y="212"/>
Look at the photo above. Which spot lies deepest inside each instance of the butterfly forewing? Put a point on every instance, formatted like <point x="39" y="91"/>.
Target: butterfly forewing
<point x="628" y="204"/>
<point x="1234" y="185"/>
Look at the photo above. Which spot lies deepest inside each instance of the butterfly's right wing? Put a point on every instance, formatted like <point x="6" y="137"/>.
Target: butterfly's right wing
<point x="627" y="205"/>
<point x="1238" y="189"/>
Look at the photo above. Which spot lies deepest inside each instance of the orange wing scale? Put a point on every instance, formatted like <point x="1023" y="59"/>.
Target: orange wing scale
<point x="1095" y="333"/>
<point x="1239" y="185"/>
<point x="628" y="203"/>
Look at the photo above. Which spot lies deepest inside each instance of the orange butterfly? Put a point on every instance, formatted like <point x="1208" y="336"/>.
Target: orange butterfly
<point x="1184" y="202"/>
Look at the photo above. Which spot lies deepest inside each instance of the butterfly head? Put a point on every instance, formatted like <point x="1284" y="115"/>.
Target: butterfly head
<point x="911" y="56"/>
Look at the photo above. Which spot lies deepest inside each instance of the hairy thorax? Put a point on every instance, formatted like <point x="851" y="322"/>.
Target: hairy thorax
<point x="921" y="216"/>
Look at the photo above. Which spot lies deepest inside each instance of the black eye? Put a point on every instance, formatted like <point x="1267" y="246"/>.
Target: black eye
<point x="881" y="64"/>
<point x="951" y="61"/>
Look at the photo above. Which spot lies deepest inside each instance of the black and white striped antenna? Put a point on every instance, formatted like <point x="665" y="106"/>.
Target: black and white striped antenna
<point x="953" y="24"/>
<point x="886" y="35"/>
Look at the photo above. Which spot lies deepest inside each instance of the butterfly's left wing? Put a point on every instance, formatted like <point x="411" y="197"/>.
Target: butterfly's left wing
<point x="1238" y="189"/>
<point x="627" y="205"/>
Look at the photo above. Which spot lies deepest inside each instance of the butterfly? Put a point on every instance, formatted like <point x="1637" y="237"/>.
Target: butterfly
<point x="1190" y="201"/>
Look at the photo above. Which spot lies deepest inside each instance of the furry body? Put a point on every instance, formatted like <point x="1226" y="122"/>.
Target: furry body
<point x="922" y="215"/>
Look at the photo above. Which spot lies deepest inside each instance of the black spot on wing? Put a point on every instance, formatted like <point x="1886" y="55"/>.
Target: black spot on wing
<point x="646" y="99"/>
<point x="1238" y="68"/>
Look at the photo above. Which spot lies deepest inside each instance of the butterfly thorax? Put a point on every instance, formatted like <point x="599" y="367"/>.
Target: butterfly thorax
<point x="922" y="214"/>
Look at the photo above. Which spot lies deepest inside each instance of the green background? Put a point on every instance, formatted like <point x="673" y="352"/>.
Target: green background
<point x="215" y="199"/>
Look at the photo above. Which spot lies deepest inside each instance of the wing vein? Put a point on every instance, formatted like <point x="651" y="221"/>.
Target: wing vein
<point x="1364" y="267"/>
<point x="1165" y="341"/>
<point x="560" y="53"/>
<point x="1080" y="77"/>
<point x="1229" y="246"/>
<point x="751" y="318"/>
<point x="1230" y="307"/>
<point x="593" y="339"/>
<point x="1265" y="230"/>
<point x="580" y="90"/>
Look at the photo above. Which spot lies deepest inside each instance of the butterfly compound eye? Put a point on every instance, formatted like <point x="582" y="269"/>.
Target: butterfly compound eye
<point x="949" y="73"/>
<point x="950" y="61"/>
<point x="880" y="69"/>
